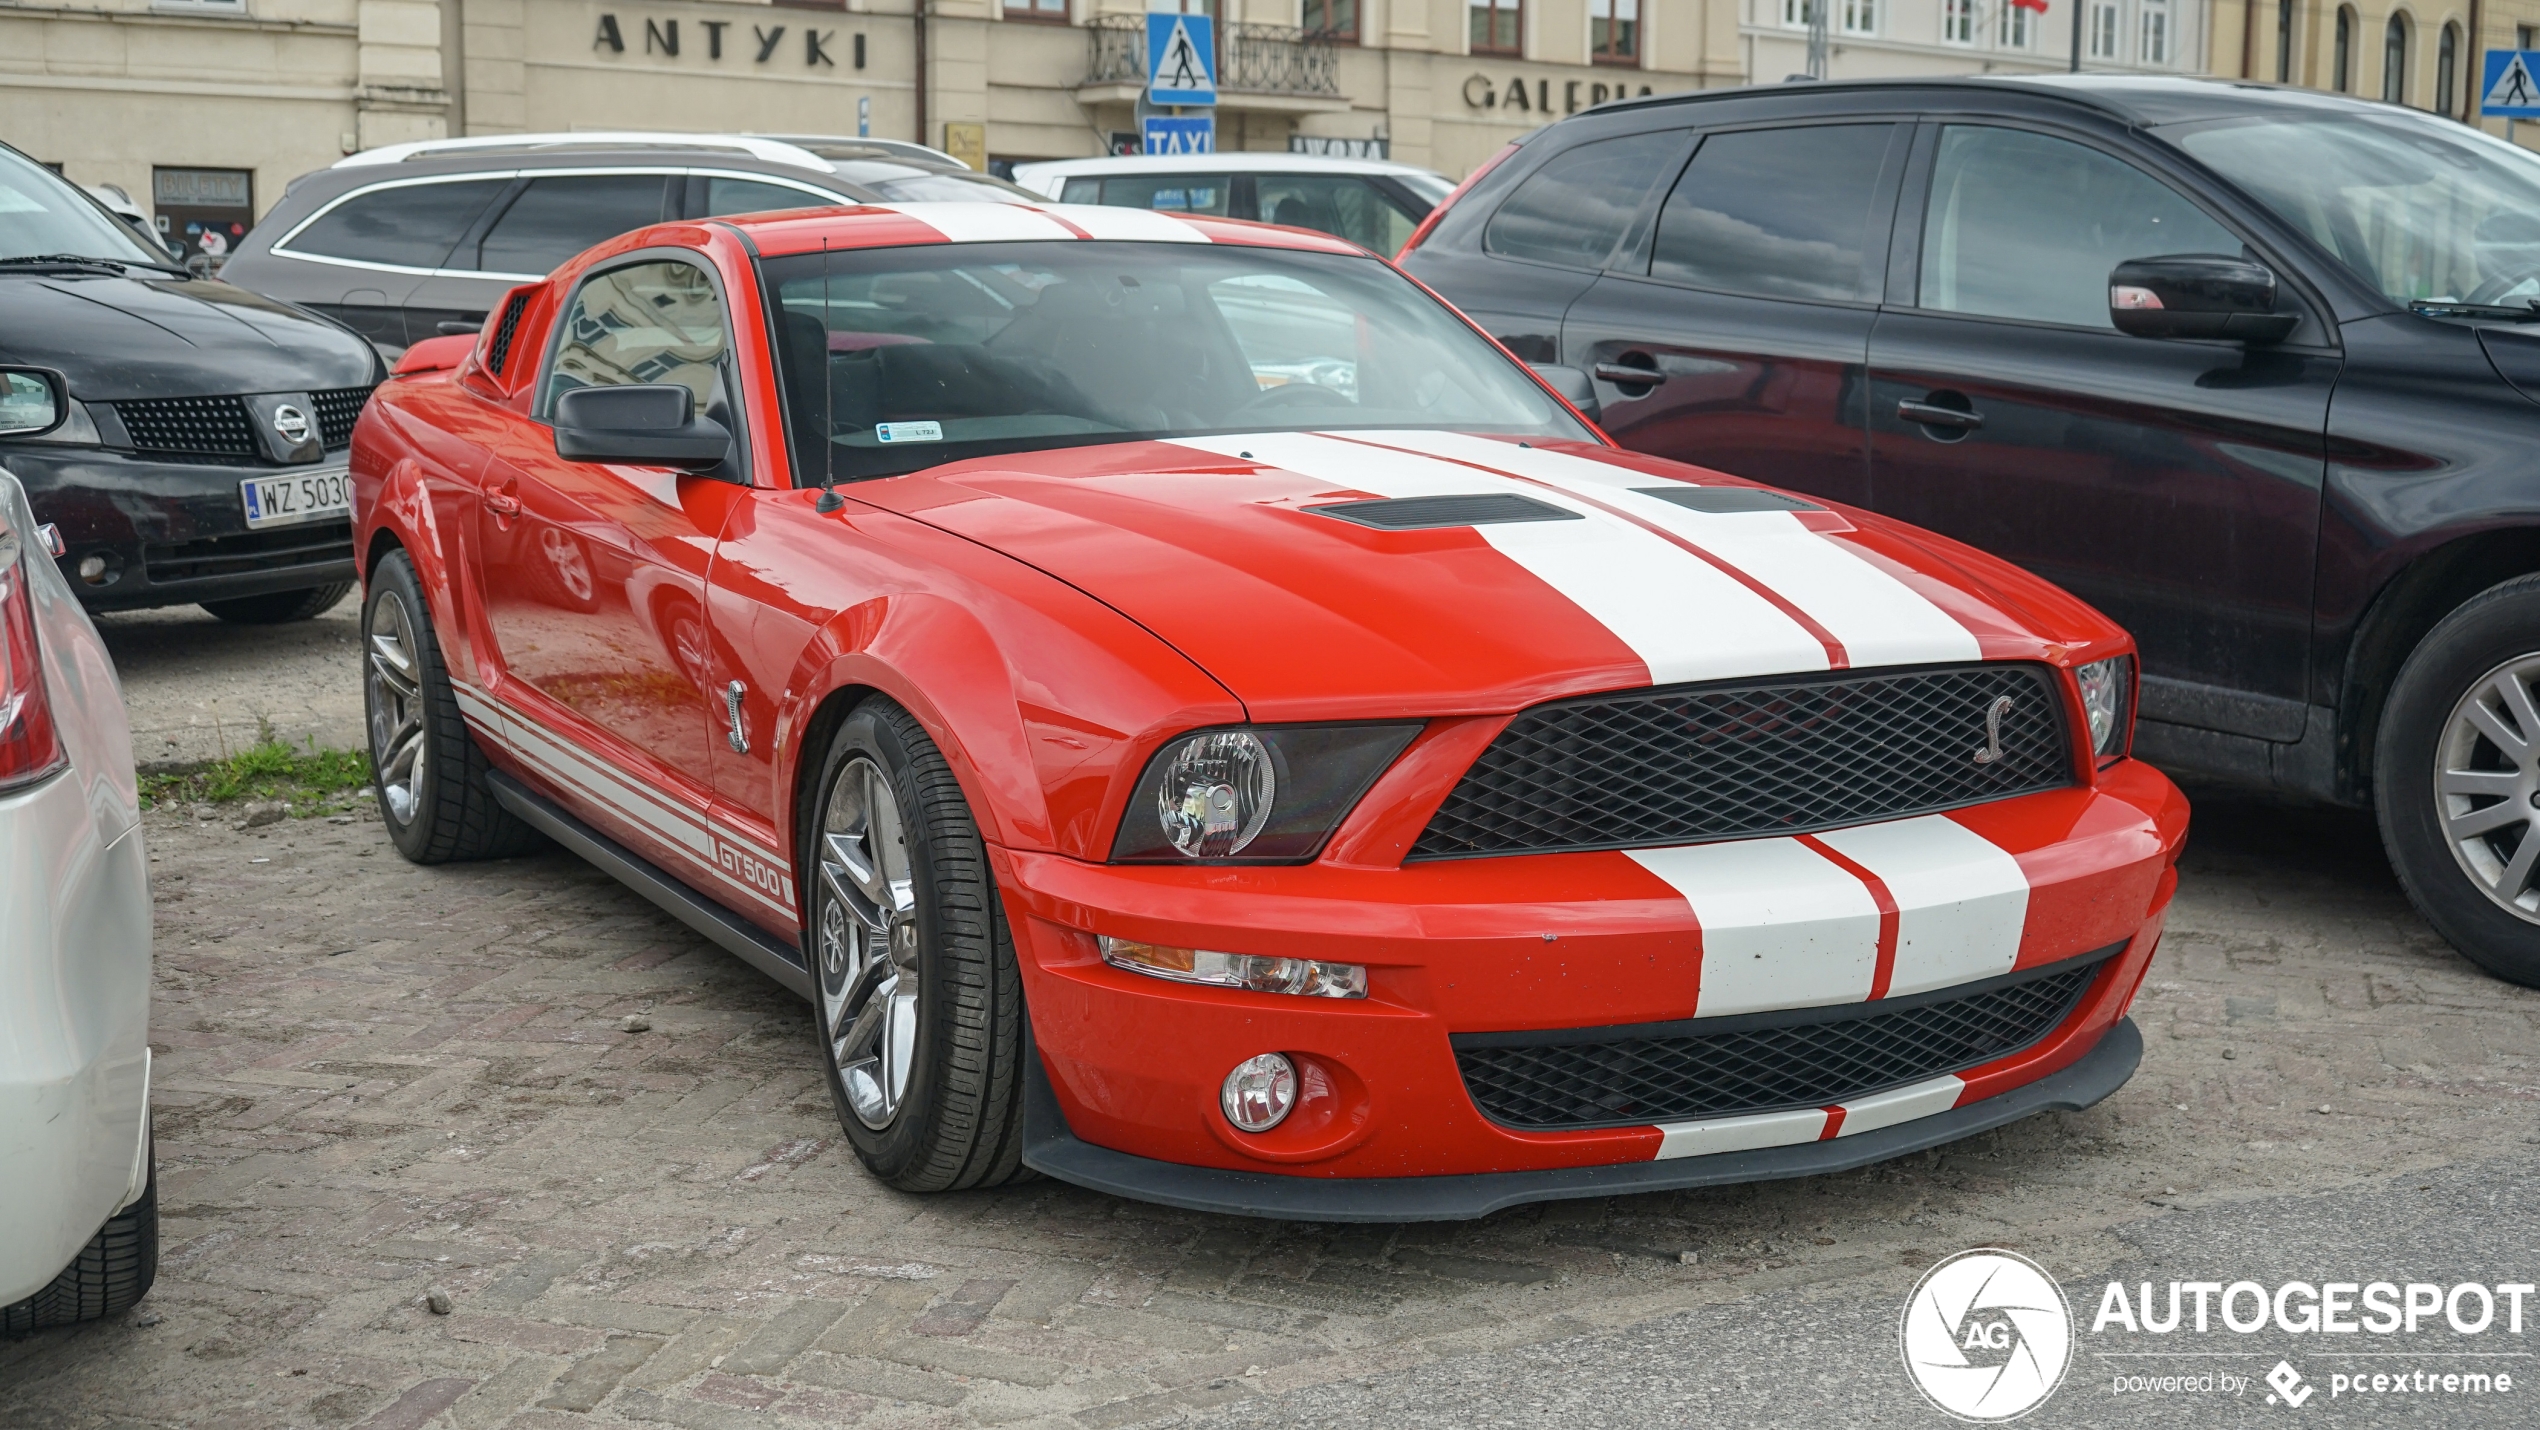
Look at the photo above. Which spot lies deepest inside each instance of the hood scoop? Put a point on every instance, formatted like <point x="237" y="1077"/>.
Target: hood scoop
<point x="1722" y="500"/>
<point x="1432" y="513"/>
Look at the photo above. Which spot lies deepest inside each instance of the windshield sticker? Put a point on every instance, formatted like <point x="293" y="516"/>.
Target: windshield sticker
<point x="910" y="431"/>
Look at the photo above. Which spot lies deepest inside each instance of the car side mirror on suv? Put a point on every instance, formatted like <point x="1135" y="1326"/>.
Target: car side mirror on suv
<point x="644" y="425"/>
<point x="2197" y="295"/>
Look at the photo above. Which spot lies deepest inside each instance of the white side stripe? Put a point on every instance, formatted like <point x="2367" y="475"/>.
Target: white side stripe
<point x="1683" y="617"/>
<point x="1782" y="925"/>
<point x="1878" y="619"/>
<point x="1961" y="901"/>
<point x="1739" y="1134"/>
<point x="1127" y="225"/>
<point x="983" y="223"/>
<point x="1903" y="1104"/>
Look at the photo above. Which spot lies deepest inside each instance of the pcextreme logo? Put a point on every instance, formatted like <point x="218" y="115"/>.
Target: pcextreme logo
<point x="1987" y="1335"/>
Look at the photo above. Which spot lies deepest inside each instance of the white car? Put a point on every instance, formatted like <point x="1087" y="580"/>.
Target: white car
<point x="1373" y="203"/>
<point x="79" y="1227"/>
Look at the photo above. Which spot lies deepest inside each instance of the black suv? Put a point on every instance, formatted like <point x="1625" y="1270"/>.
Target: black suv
<point x="2252" y="369"/>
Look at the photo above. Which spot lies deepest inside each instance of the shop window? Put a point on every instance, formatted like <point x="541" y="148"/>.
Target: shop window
<point x="204" y="211"/>
<point x="1614" y="31"/>
<point x="1036" y="10"/>
<point x="2394" y="60"/>
<point x="1333" y="20"/>
<point x="1499" y="27"/>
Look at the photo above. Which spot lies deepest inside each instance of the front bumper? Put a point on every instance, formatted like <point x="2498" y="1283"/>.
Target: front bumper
<point x="1580" y="942"/>
<point x="171" y="532"/>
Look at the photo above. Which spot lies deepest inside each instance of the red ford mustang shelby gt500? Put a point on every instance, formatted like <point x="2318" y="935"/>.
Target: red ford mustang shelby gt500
<point x="1198" y="719"/>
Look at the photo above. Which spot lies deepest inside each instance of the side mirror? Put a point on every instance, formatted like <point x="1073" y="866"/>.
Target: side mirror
<point x="29" y="405"/>
<point x="2197" y="295"/>
<point x="1572" y="384"/>
<point x="647" y="425"/>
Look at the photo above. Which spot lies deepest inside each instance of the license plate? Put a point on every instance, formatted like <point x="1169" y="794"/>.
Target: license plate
<point x="301" y="496"/>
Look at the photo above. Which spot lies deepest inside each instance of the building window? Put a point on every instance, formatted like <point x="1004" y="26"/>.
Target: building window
<point x="1332" y="19"/>
<point x="2342" y="71"/>
<point x="2283" y="41"/>
<point x="1860" y="17"/>
<point x="2156" y="33"/>
<point x="2394" y="61"/>
<point x="1957" y="22"/>
<point x="2447" y="59"/>
<point x="2103" y="32"/>
<point x="1036" y="9"/>
<point x="1614" y="31"/>
<point x="1499" y="27"/>
<point x="2018" y="24"/>
<point x="1795" y="13"/>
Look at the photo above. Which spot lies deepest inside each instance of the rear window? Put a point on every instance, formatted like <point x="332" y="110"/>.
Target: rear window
<point x="409" y="226"/>
<point x="1576" y="210"/>
<point x="1165" y="193"/>
<point x="558" y="217"/>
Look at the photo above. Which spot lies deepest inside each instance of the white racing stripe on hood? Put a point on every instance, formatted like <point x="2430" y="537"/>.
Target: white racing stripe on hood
<point x="983" y="223"/>
<point x="1878" y="619"/>
<point x="1683" y="617"/>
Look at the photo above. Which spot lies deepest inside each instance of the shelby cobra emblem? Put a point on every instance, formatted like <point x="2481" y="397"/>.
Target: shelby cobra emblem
<point x="1992" y="750"/>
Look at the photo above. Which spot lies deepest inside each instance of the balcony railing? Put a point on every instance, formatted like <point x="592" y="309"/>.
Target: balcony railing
<point x="1251" y="59"/>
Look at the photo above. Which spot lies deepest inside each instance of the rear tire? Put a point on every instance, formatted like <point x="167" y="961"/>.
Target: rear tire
<point x="916" y="996"/>
<point x="279" y="608"/>
<point x="2456" y="779"/>
<point x="110" y="1274"/>
<point x="426" y="769"/>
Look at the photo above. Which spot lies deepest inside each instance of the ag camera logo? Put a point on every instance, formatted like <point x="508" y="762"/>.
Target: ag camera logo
<point x="1987" y="1335"/>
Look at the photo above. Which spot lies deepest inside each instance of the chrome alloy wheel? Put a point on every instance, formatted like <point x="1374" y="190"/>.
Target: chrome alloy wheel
<point x="867" y="932"/>
<point x="2487" y="781"/>
<point x="394" y="684"/>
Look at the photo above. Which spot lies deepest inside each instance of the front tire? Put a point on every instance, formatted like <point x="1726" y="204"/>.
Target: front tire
<point x="918" y="1002"/>
<point x="279" y="608"/>
<point x="2457" y="779"/>
<point x="426" y="768"/>
<point x="110" y="1274"/>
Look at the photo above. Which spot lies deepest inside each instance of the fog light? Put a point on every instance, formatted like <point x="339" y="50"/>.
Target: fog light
<point x="1259" y="1092"/>
<point x="1305" y="977"/>
<point x="92" y="568"/>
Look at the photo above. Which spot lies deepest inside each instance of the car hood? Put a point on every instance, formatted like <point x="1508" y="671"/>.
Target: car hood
<point x="117" y="339"/>
<point x="1584" y="569"/>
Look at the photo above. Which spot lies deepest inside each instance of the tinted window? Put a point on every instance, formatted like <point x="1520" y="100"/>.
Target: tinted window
<point x="646" y="322"/>
<point x="746" y="196"/>
<point x="2024" y="226"/>
<point x="1081" y="191"/>
<point x="412" y="226"/>
<point x="1779" y="213"/>
<point x="1336" y="204"/>
<point x="554" y="219"/>
<point x="1576" y="208"/>
<point x="1171" y="193"/>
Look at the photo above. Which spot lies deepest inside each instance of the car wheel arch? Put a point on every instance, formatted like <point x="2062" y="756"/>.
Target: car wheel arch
<point x="2433" y="584"/>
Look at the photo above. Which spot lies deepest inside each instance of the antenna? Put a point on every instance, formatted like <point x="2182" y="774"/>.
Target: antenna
<point x="829" y="499"/>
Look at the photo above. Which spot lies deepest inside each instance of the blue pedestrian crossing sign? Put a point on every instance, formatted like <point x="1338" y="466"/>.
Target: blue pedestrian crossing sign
<point x="1187" y="134"/>
<point x="2512" y="86"/>
<point x="1181" y="59"/>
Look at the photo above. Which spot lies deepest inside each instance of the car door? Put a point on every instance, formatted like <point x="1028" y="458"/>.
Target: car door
<point x="1750" y="310"/>
<point x="545" y="219"/>
<point x="593" y="575"/>
<point x="2173" y="484"/>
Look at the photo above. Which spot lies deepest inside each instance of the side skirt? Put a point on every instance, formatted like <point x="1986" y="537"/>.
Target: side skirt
<point x="698" y="912"/>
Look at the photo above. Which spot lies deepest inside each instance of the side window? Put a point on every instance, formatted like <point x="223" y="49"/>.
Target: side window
<point x="1170" y="193"/>
<point x="1336" y="204"/>
<point x="1575" y="210"/>
<point x="411" y="226"/>
<point x="556" y="218"/>
<point x="1081" y="191"/>
<point x="646" y="322"/>
<point x="1776" y="213"/>
<point x="746" y="196"/>
<point x="2026" y="226"/>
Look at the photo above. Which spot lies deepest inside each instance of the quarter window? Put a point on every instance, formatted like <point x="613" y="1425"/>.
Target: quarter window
<point x="2025" y="226"/>
<point x="559" y="216"/>
<point x="1777" y="213"/>
<point x="410" y="226"/>
<point x="1338" y="205"/>
<point x="643" y="323"/>
<point x="1577" y="208"/>
<point x="748" y="196"/>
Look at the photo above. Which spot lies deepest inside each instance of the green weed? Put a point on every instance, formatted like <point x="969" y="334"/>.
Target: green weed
<point x="310" y="781"/>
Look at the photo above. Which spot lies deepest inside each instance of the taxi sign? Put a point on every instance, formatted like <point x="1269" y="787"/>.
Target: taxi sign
<point x="2511" y="89"/>
<point x="1181" y="59"/>
<point x="1187" y="134"/>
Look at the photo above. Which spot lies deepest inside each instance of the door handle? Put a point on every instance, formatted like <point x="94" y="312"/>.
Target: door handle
<point x="1620" y="373"/>
<point x="1932" y="414"/>
<point x="452" y="327"/>
<point x="506" y="501"/>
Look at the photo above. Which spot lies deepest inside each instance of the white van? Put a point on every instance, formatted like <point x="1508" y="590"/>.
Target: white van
<point x="1371" y="202"/>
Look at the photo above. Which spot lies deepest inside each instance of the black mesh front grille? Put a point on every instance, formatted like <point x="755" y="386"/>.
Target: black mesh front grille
<point x="1690" y="763"/>
<point x="202" y="426"/>
<point x="277" y="550"/>
<point x="1811" y="1057"/>
<point x="336" y="411"/>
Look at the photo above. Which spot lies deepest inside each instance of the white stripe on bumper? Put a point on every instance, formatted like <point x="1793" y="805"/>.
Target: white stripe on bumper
<point x="1782" y="925"/>
<point x="1902" y="1104"/>
<point x="1739" y="1134"/>
<point x="1961" y="901"/>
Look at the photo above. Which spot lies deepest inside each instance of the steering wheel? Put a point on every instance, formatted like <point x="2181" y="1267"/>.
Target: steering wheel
<point x="1299" y="394"/>
<point x="2495" y="290"/>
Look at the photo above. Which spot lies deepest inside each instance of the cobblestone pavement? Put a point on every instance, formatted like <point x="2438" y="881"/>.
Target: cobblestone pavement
<point x="377" y="1082"/>
<point x="199" y="688"/>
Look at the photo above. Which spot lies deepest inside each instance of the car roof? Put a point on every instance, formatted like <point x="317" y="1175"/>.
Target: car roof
<point x="2147" y="100"/>
<point x="785" y="233"/>
<point x="1228" y="162"/>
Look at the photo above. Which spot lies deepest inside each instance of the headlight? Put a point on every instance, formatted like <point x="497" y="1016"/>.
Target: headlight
<point x="1257" y="973"/>
<point x="2107" y="700"/>
<point x="1253" y="794"/>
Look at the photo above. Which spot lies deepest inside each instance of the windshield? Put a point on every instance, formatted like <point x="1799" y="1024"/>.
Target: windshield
<point x="2424" y="209"/>
<point x="901" y="358"/>
<point x="40" y="213"/>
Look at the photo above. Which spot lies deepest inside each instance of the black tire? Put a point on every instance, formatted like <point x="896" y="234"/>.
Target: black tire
<point x="2491" y="631"/>
<point x="426" y="770"/>
<point x="108" y="1277"/>
<point x="958" y="1123"/>
<point x="279" y="608"/>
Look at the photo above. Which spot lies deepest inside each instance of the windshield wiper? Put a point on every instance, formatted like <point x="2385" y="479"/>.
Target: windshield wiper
<point x="85" y="263"/>
<point x="2432" y="308"/>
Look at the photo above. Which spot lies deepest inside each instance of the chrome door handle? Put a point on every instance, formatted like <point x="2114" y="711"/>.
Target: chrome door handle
<point x="1618" y="373"/>
<point x="502" y="504"/>
<point x="1933" y="415"/>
